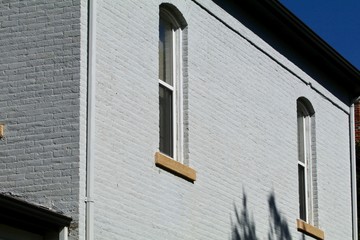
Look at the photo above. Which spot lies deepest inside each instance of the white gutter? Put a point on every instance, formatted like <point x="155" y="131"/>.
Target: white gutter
<point x="90" y="137"/>
<point x="353" y="170"/>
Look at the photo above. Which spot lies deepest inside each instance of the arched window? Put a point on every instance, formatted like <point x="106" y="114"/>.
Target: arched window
<point x="306" y="150"/>
<point x="171" y="26"/>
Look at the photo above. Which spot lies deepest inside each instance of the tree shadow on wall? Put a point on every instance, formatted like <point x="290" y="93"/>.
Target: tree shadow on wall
<point x="278" y="227"/>
<point x="245" y="228"/>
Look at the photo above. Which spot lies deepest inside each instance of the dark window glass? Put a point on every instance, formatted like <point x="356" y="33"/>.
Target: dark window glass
<point x="165" y="51"/>
<point x="166" y="128"/>
<point x="302" y="194"/>
<point x="301" y="141"/>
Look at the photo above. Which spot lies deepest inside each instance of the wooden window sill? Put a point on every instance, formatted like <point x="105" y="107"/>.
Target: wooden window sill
<point x="176" y="168"/>
<point x="310" y="230"/>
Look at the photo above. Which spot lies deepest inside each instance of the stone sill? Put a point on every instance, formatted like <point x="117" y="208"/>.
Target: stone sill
<point x="310" y="230"/>
<point x="174" y="167"/>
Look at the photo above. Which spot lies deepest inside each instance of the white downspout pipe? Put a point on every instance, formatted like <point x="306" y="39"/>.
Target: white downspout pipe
<point x="353" y="170"/>
<point x="63" y="235"/>
<point x="90" y="137"/>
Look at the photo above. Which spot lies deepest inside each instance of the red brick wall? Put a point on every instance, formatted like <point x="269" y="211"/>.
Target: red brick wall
<point x="357" y="122"/>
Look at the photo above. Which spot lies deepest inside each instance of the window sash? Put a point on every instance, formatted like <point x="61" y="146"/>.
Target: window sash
<point x="304" y="164"/>
<point x="170" y="77"/>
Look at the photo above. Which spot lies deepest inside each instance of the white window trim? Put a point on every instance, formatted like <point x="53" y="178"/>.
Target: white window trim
<point x="307" y="152"/>
<point x="177" y="88"/>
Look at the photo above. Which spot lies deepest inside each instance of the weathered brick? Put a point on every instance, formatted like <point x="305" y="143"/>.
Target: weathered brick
<point x="28" y="63"/>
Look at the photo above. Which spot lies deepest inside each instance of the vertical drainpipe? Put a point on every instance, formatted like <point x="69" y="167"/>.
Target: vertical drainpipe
<point x="64" y="234"/>
<point x="353" y="170"/>
<point x="90" y="134"/>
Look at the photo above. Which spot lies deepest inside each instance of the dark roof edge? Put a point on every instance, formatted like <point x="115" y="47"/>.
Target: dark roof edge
<point x="22" y="207"/>
<point x="281" y="11"/>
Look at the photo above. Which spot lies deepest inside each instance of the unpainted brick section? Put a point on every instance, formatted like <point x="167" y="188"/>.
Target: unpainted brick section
<point x="357" y="122"/>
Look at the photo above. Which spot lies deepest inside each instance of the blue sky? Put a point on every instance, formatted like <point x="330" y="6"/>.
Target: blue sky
<point x="335" y="21"/>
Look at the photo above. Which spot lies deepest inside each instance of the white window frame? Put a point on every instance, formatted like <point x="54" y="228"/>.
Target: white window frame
<point x="177" y="87"/>
<point x="305" y="150"/>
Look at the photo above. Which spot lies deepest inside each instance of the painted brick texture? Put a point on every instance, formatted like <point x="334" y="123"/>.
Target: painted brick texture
<point x="39" y="102"/>
<point x="242" y="134"/>
<point x="241" y="119"/>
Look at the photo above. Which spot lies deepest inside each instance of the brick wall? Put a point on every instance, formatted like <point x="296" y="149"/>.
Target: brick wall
<point x="241" y="116"/>
<point x="357" y="122"/>
<point x="242" y="133"/>
<point x="39" y="102"/>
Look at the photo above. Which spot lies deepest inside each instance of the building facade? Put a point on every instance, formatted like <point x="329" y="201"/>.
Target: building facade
<point x="191" y="119"/>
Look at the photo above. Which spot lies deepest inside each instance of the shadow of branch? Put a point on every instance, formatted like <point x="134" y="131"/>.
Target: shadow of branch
<point x="244" y="227"/>
<point x="278" y="229"/>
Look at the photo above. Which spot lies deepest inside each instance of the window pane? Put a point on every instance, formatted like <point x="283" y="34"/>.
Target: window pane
<point x="165" y="51"/>
<point x="166" y="128"/>
<point x="301" y="142"/>
<point x="302" y="192"/>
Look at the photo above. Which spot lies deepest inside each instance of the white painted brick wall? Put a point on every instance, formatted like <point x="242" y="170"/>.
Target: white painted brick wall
<point x="242" y="133"/>
<point x="242" y="124"/>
